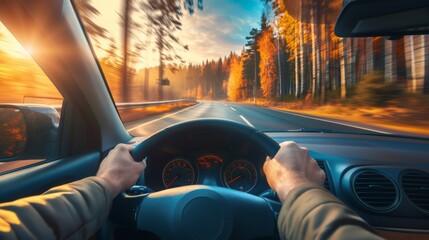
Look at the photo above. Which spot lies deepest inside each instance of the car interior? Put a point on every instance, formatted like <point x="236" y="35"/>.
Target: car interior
<point x="383" y="178"/>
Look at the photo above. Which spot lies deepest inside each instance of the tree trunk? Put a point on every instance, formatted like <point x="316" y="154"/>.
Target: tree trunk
<point x="378" y="49"/>
<point x="401" y="67"/>
<point x="360" y="61"/>
<point x="369" y="56"/>
<point x="323" y="62"/>
<point x="426" y="77"/>
<point x="313" y="54"/>
<point x="126" y="34"/>
<point x="327" y="55"/>
<point x="161" y="65"/>
<point x="318" y="58"/>
<point x="279" y="67"/>
<point x="301" y="59"/>
<point x="419" y="49"/>
<point x="354" y="51"/>
<point x="146" y="84"/>
<point x="296" y="62"/>
<point x="342" y="68"/>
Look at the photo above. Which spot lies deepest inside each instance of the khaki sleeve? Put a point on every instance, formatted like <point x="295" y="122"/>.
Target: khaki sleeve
<point x="70" y="211"/>
<point x="311" y="212"/>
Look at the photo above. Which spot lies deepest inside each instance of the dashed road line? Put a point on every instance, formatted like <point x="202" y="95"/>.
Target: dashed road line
<point x="334" y="122"/>
<point x="246" y="121"/>
<point x="233" y="109"/>
<point x="166" y="116"/>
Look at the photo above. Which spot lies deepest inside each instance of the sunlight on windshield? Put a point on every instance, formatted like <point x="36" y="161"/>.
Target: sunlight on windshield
<point x="256" y="52"/>
<point x="21" y="79"/>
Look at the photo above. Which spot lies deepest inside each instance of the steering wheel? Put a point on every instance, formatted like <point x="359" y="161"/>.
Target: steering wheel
<point x="198" y="211"/>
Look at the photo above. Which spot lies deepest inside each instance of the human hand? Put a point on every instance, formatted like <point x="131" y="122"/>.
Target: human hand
<point x="119" y="169"/>
<point x="291" y="167"/>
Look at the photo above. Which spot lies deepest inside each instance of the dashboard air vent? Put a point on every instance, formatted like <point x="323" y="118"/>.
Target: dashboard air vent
<point x="416" y="187"/>
<point x="323" y="167"/>
<point x="375" y="190"/>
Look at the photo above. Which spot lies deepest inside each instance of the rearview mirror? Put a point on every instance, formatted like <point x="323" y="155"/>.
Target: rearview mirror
<point x="392" y="18"/>
<point x="27" y="131"/>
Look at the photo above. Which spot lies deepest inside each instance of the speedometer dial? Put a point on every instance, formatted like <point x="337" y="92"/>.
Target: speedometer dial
<point x="240" y="175"/>
<point x="178" y="173"/>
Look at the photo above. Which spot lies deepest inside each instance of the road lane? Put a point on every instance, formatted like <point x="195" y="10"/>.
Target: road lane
<point x="205" y="109"/>
<point x="273" y="120"/>
<point x="259" y="117"/>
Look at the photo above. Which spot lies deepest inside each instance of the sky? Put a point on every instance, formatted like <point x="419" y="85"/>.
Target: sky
<point x="221" y="27"/>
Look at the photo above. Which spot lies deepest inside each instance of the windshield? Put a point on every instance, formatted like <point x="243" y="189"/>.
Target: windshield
<point x="251" y="61"/>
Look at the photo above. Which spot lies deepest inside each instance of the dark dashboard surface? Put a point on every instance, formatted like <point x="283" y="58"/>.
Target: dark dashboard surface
<point x="384" y="179"/>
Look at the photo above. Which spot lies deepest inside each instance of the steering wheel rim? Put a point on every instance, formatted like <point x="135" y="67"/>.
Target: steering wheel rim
<point x="198" y="211"/>
<point x="267" y="144"/>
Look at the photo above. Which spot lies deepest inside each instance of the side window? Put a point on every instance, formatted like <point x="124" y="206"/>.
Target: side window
<point x="30" y="107"/>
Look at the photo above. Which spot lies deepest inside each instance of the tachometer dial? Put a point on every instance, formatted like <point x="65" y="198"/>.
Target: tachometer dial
<point x="178" y="173"/>
<point x="240" y="175"/>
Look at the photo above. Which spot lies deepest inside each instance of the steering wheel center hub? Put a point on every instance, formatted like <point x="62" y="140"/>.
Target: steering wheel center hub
<point x="204" y="214"/>
<point x="203" y="217"/>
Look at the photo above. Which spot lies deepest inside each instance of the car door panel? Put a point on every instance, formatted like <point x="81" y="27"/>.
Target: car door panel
<point x="39" y="178"/>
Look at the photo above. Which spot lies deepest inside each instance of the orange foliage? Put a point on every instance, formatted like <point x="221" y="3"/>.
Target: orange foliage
<point x="236" y="81"/>
<point x="289" y="29"/>
<point x="200" y="94"/>
<point x="13" y="132"/>
<point x="268" y="65"/>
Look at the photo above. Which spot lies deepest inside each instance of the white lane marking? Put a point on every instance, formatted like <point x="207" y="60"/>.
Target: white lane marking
<point x="225" y="104"/>
<point x="246" y="121"/>
<point x="166" y="116"/>
<point x="330" y="121"/>
<point x="233" y="109"/>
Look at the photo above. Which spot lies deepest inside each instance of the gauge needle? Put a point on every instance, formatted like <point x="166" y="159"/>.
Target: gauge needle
<point x="172" y="181"/>
<point x="235" y="179"/>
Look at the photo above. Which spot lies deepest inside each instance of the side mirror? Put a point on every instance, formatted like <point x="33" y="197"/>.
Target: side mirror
<point x="391" y="18"/>
<point x="13" y="132"/>
<point x="27" y="131"/>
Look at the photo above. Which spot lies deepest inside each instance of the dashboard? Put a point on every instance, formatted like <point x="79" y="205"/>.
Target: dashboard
<point x="384" y="179"/>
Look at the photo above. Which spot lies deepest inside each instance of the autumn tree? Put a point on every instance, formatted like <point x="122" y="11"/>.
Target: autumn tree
<point x="87" y="12"/>
<point x="218" y="79"/>
<point x="268" y="65"/>
<point x="251" y="62"/>
<point x="235" y="80"/>
<point x="289" y="30"/>
<point x="164" y="20"/>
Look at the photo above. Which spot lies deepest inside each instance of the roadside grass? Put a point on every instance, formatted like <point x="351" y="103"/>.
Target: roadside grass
<point x="408" y="113"/>
<point x="128" y="115"/>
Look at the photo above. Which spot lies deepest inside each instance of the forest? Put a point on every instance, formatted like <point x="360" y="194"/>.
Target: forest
<point x="290" y="59"/>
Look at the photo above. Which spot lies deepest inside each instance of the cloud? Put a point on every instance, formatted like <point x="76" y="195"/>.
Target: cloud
<point x="219" y="29"/>
<point x="211" y="33"/>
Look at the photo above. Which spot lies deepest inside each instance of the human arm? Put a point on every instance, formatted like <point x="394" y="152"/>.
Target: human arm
<point x="75" y="210"/>
<point x="309" y="211"/>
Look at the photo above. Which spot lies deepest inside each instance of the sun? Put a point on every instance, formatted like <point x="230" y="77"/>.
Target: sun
<point x="11" y="46"/>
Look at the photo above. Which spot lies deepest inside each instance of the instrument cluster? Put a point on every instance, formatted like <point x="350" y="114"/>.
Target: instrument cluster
<point x="237" y="173"/>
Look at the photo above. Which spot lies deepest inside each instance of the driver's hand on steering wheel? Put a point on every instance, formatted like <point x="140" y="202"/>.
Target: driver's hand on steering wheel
<point x="119" y="170"/>
<point x="291" y="167"/>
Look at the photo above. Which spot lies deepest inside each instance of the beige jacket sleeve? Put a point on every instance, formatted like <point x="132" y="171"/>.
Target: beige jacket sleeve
<point x="311" y="212"/>
<point x="70" y="211"/>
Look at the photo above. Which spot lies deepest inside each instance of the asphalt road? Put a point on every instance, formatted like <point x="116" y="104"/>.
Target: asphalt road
<point x="259" y="117"/>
